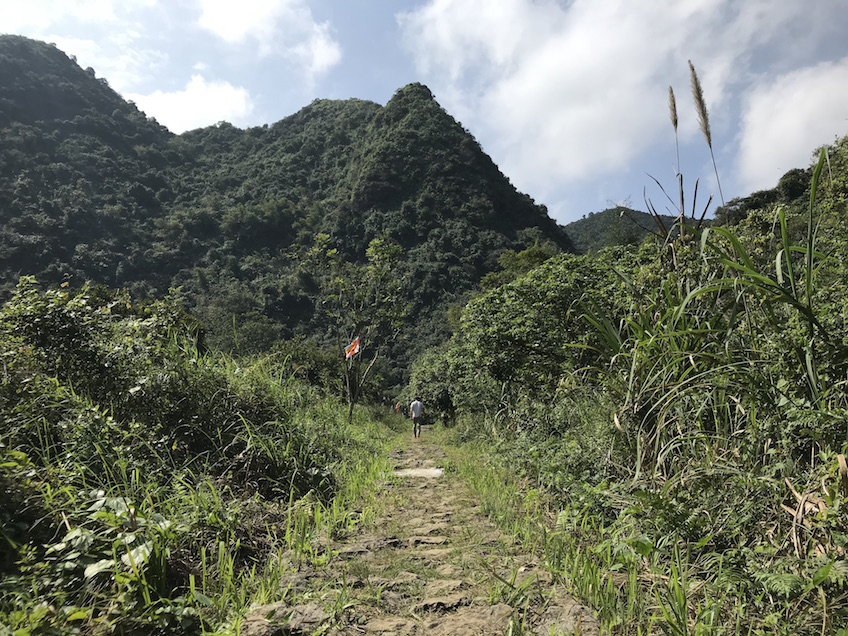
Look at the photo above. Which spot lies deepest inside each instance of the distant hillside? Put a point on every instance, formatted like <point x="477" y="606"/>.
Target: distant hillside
<point x="625" y="226"/>
<point x="92" y="189"/>
<point x="613" y="226"/>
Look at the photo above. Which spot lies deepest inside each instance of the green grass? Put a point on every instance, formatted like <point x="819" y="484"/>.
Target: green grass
<point x="671" y="443"/>
<point x="193" y="554"/>
<point x="635" y="584"/>
<point x="151" y="488"/>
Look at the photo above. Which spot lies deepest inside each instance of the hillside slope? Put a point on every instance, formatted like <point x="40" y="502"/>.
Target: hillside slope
<point x="613" y="226"/>
<point x="92" y="189"/>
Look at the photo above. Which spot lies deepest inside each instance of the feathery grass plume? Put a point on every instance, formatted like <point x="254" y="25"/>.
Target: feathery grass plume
<point x="703" y="119"/>
<point x="672" y="110"/>
<point x="700" y="104"/>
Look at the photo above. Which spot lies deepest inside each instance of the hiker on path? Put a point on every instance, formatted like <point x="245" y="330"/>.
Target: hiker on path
<point x="416" y="412"/>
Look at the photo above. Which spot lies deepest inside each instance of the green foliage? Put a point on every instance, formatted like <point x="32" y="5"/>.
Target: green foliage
<point x="163" y="398"/>
<point x="791" y="190"/>
<point x="358" y="301"/>
<point x="514" y="264"/>
<point x="149" y="487"/>
<point x="737" y="209"/>
<point x="690" y="394"/>
<point x="612" y="227"/>
<point x="91" y="190"/>
<point x="515" y="330"/>
<point x="431" y="380"/>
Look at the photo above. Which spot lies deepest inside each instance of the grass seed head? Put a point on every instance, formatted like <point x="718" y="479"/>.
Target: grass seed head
<point x="672" y="108"/>
<point x="700" y="104"/>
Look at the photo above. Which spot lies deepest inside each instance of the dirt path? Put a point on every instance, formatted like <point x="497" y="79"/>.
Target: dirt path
<point x="432" y="564"/>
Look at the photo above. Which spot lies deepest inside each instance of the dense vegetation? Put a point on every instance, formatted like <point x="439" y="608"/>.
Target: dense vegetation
<point x="683" y="405"/>
<point x="665" y="418"/>
<point x="93" y="190"/>
<point x="614" y="226"/>
<point x="151" y="488"/>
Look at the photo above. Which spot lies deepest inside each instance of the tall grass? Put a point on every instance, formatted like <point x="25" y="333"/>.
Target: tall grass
<point x="711" y="413"/>
<point x="704" y="394"/>
<point x="569" y="542"/>
<point x="167" y="490"/>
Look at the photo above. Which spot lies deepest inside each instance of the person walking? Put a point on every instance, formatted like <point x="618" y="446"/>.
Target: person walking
<point x="416" y="412"/>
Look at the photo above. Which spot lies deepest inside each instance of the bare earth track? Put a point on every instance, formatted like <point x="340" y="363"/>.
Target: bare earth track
<point x="432" y="564"/>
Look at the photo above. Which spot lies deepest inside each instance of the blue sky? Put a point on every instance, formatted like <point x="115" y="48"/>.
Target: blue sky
<point x="569" y="98"/>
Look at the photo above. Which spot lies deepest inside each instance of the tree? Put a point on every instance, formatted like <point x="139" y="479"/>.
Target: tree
<point x="358" y="300"/>
<point x="514" y="264"/>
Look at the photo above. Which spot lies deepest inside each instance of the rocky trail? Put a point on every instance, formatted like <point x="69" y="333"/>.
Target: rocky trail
<point x="431" y="563"/>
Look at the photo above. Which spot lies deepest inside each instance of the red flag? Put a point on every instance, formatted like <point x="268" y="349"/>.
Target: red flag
<point x="352" y="349"/>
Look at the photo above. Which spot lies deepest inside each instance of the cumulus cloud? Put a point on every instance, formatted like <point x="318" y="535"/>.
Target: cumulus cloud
<point x="784" y="119"/>
<point x="118" y="58"/>
<point x="319" y="52"/>
<point x="201" y="103"/>
<point x="285" y="27"/>
<point x="235" y="22"/>
<point x="21" y="17"/>
<point x="570" y="91"/>
<point x="24" y="17"/>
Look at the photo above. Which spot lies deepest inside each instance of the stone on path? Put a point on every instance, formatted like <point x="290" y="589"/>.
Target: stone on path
<point x="444" y="586"/>
<point x="567" y="616"/>
<point x="441" y="603"/>
<point x="491" y="620"/>
<point x="280" y="619"/>
<point x="390" y="625"/>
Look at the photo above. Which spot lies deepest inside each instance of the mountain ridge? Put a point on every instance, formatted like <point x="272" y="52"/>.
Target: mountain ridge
<point x="93" y="189"/>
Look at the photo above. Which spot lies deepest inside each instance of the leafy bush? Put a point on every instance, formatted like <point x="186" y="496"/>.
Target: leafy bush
<point x="690" y="393"/>
<point x="144" y="480"/>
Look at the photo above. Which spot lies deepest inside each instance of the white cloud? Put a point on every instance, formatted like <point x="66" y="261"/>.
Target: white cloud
<point x="235" y="22"/>
<point x="21" y="17"/>
<point x="102" y="34"/>
<point x="117" y="58"/>
<point x="566" y="92"/>
<point x="201" y="103"/>
<point x="319" y="52"/>
<point x="285" y="27"/>
<point x="785" y="119"/>
<point x="42" y="15"/>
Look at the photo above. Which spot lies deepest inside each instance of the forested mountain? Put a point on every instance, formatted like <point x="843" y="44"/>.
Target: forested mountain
<point x="91" y="189"/>
<point x="614" y="226"/>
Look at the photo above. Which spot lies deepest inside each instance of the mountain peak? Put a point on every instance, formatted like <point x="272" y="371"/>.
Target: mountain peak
<point x="415" y="90"/>
<point x="39" y="82"/>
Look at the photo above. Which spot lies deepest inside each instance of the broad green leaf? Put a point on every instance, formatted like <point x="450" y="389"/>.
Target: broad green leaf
<point x="78" y="615"/>
<point x="821" y="574"/>
<point x="203" y="599"/>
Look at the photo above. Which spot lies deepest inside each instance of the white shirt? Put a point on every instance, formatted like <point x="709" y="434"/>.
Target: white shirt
<point x="416" y="408"/>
